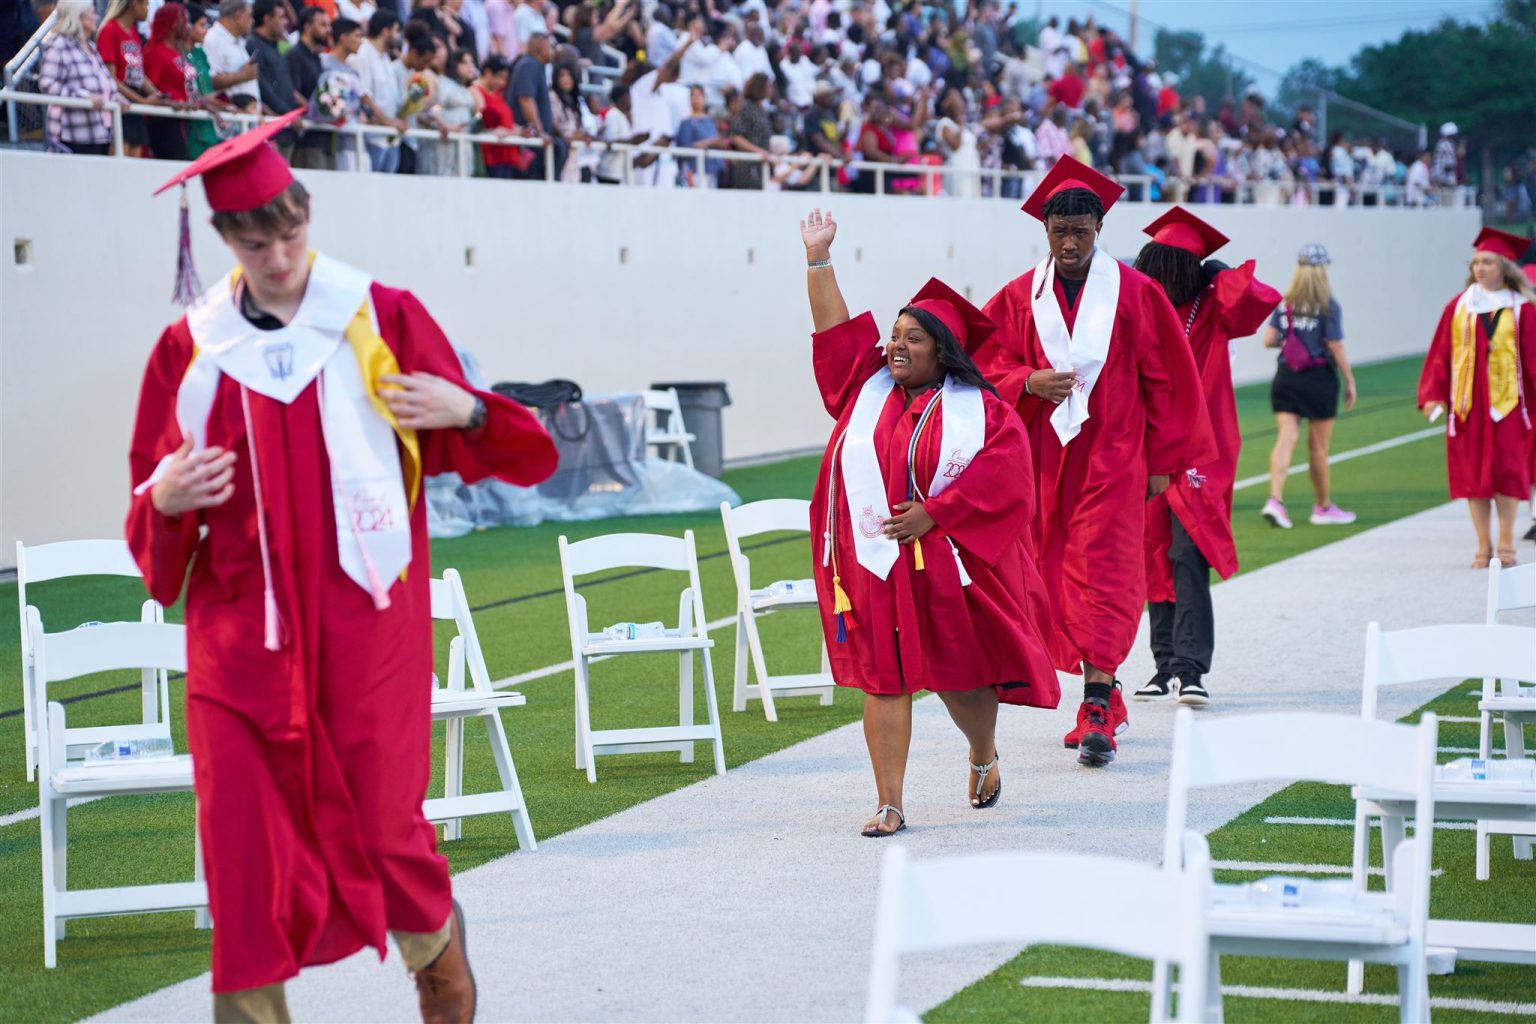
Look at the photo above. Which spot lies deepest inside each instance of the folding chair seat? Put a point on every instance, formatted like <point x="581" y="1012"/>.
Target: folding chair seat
<point x="640" y="551"/>
<point x="773" y="516"/>
<point x="1382" y="927"/>
<point x="65" y="560"/>
<point x="62" y="778"/>
<point x="931" y="905"/>
<point x="1509" y="589"/>
<point x="1452" y="653"/>
<point x="454" y="704"/>
<point x="667" y="432"/>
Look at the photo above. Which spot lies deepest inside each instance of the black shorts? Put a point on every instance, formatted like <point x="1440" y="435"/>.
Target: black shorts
<point x="1311" y="394"/>
<point x="135" y="130"/>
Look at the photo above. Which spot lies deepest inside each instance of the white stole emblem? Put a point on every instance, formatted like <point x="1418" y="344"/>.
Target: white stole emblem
<point x="1083" y="350"/>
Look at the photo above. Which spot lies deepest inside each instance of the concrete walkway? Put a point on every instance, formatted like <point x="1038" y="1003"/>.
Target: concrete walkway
<point x="750" y="897"/>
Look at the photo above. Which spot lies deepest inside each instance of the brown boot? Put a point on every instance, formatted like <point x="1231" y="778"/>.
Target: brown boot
<point x="446" y="986"/>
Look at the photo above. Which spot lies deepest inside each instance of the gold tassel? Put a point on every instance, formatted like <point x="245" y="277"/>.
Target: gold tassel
<point x="840" y="602"/>
<point x="917" y="554"/>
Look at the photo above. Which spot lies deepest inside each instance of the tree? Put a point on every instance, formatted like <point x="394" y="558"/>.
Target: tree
<point x="1301" y="85"/>
<point x="1212" y="74"/>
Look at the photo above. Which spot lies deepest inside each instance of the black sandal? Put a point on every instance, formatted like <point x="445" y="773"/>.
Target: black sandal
<point x="875" y="832"/>
<point x="983" y="770"/>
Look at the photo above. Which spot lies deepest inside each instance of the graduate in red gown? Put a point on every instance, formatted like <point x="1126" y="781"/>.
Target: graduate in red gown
<point x="1189" y="526"/>
<point x="1103" y="377"/>
<point x="921" y="515"/>
<point x="1481" y="374"/>
<point x="284" y="428"/>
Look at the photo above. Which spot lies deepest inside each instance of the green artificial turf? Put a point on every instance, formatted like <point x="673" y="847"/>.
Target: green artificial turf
<point x="512" y="578"/>
<point x="1456" y="895"/>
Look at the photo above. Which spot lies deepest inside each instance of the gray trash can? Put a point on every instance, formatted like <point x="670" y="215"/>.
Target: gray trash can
<point x="701" y="402"/>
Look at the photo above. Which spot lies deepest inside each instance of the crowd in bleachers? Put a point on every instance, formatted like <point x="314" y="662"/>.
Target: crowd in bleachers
<point x="767" y="92"/>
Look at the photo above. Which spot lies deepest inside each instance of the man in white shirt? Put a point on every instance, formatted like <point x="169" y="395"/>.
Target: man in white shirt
<point x="381" y="84"/>
<point x="658" y="103"/>
<point x="1419" y="185"/>
<point x="752" y="56"/>
<point x="799" y="76"/>
<point x="230" y="64"/>
<point x="530" y="22"/>
<point x="660" y="39"/>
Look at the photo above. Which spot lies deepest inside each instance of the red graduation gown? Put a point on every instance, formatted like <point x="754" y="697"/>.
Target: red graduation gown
<point x="1089" y="526"/>
<point x="1484" y="458"/>
<point x="1234" y="305"/>
<point x="310" y="763"/>
<point x="922" y="630"/>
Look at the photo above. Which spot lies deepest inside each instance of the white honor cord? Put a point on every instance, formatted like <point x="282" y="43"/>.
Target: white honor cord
<point x="272" y="638"/>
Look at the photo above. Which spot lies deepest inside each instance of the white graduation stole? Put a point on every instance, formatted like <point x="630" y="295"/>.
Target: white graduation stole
<point x="1083" y="350"/>
<point x="962" y="432"/>
<point x="373" y="535"/>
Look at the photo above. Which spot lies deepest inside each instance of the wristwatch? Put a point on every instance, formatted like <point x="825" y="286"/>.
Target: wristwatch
<point x="477" y="417"/>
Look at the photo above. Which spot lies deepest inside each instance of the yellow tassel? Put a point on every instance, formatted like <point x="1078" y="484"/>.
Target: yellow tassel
<point x="840" y="602"/>
<point x="917" y="554"/>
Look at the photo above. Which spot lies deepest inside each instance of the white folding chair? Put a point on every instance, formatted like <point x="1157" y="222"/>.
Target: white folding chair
<point x="1509" y="589"/>
<point x="1454" y="653"/>
<point x="453" y="704"/>
<point x="666" y="432"/>
<point x="936" y="904"/>
<point x="62" y="778"/>
<point x="773" y="516"/>
<point x="74" y="558"/>
<point x="1382" y="927"/>
<point x="648" y="551"/>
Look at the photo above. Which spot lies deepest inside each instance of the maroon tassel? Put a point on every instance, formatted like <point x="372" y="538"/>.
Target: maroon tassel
<point x="188" y="287"/>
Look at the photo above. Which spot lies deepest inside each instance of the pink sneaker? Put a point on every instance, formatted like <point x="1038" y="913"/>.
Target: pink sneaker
<point x="1274" y="511"/>
<point x="1330" y="515"/>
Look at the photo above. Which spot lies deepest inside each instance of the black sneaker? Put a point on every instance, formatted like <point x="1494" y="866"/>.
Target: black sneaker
<point x="1531" y="533"/>
<point x="1159" y="687"/>
<point x="1192" y="691"/>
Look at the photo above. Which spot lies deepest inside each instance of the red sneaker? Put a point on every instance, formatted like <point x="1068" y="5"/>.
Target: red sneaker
<point x="1117" y="714"/>
<point x="1096" y="742"/>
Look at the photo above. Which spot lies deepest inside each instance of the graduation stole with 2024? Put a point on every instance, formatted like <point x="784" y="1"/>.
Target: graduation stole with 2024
<point x="1082" y="350"/>
<point x="962" y="432"/>
<point x="333" y="340"/>
<point x="1505" y="374"/>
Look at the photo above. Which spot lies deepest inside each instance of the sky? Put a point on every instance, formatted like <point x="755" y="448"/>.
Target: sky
<point x="1272" y="36"/>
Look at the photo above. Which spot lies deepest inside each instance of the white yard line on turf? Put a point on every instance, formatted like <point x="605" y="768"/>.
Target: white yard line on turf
<point x="31" y="812"/>
<point x="1447" y="826"/>
<point x="1302" y="995"/>
<point x="1295" y="869"/>
<point x="1353" y="453"/>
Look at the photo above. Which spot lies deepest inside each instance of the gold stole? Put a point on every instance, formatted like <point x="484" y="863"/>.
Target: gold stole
<point x="1503" y="363"/>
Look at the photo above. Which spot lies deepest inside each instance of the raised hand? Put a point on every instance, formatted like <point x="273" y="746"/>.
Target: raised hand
<point x="817" y="232"/>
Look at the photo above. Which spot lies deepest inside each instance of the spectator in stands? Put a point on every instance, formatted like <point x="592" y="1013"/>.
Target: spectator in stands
<point x="824" y="134"/>
<point x="1341" y="168"/>
<point x="590" y="34"/>
<point x="442" y="19"/>
<point x="658" y="103"/>
<point x="1052" y="139"/>
<point x="751" y="132"/>
<point x="122" y="51"/>
<point x="751" y="55"/>
<point x="453" y="109"/>
<point x="203" y="134"/>
<point x="616" y="127"/>
<point x="574" y="123"/>
<point x="1069" y="89"/>
<point x="72" y="66"/>
<point x="876" y="145"/>
<point x="381" y="88"/>
<point x="339" y="96"/>
<point x="304" y="61"/>
<point x="167" y="69"/>
<point x="800" y="76"/>
<point x="699" y="131"/>
<point x="501" y="29"/>
<point x="1446" y="169"/>
<point x="528" y="96"/>
<point x="418" y="85"/>
<point x="1309" y="331"/>
<point x="1183" y="145"/>
<point x="957" y="142"/>
<point x="501" y="161"/>
<point x="231" y="68"/>
<point x="270" y="20"/>
<point x="1419" y="188"/>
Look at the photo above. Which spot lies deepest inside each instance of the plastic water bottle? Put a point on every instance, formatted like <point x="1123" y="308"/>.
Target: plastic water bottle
<point x="140" y="749"/>
<point x="635" y="631"/>
<point x="791" y="588"/>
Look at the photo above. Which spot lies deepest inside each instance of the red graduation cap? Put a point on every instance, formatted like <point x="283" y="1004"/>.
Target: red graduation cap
<point x="1183" y="230"/>
<point x="239" y="174"/>
<point x="1508" y="245"/>
<point x="969" y="325"/>
<point x="244" y="172"/>
<point x="1069" y="174"/>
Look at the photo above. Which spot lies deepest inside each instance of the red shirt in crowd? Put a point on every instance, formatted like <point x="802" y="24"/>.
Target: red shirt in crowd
<point x="1167" y="100"/>
<point x="498" y="115"/>
<point x="123" y="51"/>
<point x="168" y="71"/>
<point x="1068" y="90"/>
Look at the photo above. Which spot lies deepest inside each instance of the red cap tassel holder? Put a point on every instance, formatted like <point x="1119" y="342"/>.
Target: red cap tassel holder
<point x="188" y="287"/>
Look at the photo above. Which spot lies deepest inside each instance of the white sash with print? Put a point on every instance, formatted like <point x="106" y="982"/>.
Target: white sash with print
<point x="1083" y="350"/>
<point x="962" y="432"/>
<point x="373" y="536"/>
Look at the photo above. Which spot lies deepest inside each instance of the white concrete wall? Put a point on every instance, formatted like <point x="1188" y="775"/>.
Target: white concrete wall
<point x="610" y="287"/>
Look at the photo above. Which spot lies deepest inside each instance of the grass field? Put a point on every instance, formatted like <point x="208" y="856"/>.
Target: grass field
<point x="512" y="578"/>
